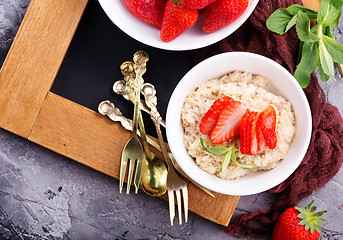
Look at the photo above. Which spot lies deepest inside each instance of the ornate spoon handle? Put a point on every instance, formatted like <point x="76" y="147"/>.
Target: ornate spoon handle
<point x="149" y="93"/>
<point x="120" y="87"/>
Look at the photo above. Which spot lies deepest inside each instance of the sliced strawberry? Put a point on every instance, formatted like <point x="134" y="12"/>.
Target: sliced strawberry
<point x="243" y="132"/>
<point x="222" y="102"/>
<point x="261" y="141"/>
<point x="267" y="121"/>
<point x="251" y="140"/>
<point x="253" y="144"/>
<point x="209" y="120"/>
<point x="227" y="126"/>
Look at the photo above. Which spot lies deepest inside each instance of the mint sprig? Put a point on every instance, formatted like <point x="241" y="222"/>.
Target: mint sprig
<point x="318" y="47"/>
<point x="229" y="154"/>
<point x="225" y="163"/>
<point x="216" y="151"/>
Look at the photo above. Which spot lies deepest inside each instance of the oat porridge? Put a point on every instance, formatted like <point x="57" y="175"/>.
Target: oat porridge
<point x="251" y="95"/>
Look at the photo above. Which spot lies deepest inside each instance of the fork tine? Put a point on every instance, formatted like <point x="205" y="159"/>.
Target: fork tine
<point x="123" y="165"/>
<point x="138" y="174"/>
<point x="131" y="167"/>
<point x="179" y="205"/>
<point x="185" y="202"/>
<point x="171" y="206"/>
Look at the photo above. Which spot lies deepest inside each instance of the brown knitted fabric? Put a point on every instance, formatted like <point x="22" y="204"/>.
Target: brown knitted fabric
<point x="325" y="153"/>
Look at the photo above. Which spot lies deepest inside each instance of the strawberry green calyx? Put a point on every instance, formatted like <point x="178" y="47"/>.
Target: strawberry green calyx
<point x="310" y="219"/>
<point x="177" y="1"/>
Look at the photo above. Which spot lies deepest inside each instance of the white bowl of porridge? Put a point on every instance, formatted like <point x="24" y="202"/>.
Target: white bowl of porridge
<point x="255" y="157"/>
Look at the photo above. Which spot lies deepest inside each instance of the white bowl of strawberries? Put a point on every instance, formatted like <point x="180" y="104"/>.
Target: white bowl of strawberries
<point x="167" y="25"/>
<point x="272" y="123"/>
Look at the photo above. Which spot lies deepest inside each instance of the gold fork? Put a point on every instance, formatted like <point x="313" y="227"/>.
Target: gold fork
<point x="175" y="184"/>
<point x="120" y="87"/>
<point x="154" y="171"/>
<point x="133" y="150"/>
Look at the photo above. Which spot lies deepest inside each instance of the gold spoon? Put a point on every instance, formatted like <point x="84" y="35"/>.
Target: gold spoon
<point x="121" y="88"/>
<point x="108" y="109"/>
<point x="154" y="171"/>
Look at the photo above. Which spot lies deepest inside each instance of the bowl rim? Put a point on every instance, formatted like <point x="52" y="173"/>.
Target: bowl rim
<point x="173" y="124"/>
<point x="178" y="44"/>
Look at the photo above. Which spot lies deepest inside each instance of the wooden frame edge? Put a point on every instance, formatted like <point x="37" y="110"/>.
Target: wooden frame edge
<point x="90" y="140"/>
<point x="42" y="40"/>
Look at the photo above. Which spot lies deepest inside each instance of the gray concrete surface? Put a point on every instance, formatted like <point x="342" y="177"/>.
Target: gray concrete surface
<point x="44" y="195"/>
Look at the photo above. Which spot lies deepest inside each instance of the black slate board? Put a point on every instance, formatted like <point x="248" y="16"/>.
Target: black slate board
<point x="92" y="62"/>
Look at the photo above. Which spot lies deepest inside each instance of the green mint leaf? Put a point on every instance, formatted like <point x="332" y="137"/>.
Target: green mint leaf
<point x="291" y="23"/>
<point x="323" y="76"/>
<point x="326" y="61"/>
<point x="283" y="19"/>
<point x="278" y="21"/>
<point x="303" y="28"/>
<point x="307" y="64"/>
<point x="293" y="10"/>
<point x="246" y="167"/>
<point x="230" y="154"/>
<point x="299" y="52"/>
<point x="323" y="11"/>
<point x="334" y="48"/>
<point x="329" y="12"/>
<point x="314" y="29"/>
<point x="216" y="151"/>
<point x="328" y="32"/>
<point x="226" y="160"/>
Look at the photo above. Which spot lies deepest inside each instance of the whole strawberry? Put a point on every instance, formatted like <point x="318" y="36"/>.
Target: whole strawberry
<point x="222" y="12"/>
<point x="298" y="224"/>
<point x="195" y="4"/>
<point x="176" y="20"/>
<point x="149" y="11"/>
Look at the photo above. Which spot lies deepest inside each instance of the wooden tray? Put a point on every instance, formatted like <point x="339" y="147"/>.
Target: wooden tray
<point x="29" y="109"/>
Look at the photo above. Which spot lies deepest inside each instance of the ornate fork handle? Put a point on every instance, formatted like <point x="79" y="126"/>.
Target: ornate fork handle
<point x="127" y="69"/>
<point x="133" y="150"/>
<point x="149" y="93"/>
<point x="134" y="80"/>
<point x="176" y="184"/>
<point x="107" y="108"/>
<point x="120" y="87"/>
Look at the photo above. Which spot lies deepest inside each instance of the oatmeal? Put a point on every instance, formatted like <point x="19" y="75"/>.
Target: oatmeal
<point x="252" y="92"/>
